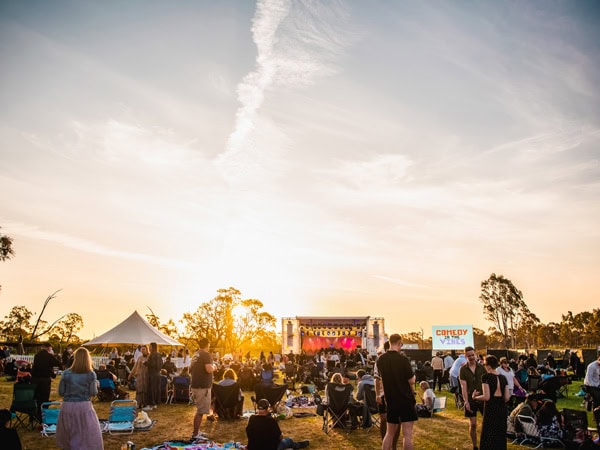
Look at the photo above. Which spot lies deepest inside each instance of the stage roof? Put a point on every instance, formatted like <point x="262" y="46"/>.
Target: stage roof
<point x="330" y="321"/>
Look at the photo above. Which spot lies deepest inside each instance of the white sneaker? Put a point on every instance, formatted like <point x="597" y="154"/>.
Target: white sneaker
<point x="147" y="408"/>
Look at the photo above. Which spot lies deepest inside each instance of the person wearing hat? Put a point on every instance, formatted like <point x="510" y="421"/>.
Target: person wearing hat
<point x="263" y="431"/>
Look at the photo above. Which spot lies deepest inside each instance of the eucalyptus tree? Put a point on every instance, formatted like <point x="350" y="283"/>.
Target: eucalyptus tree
<point x="229" y="322"/>
<point x="503" y="305"/>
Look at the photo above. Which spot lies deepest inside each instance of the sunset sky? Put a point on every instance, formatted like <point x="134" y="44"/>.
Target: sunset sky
<point x="328" y="158"/>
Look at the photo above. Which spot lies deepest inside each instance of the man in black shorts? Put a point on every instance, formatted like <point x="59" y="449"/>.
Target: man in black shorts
<point x="470" y="381"/>
<point x="398" y="382"/>
<point x="381" y="402"/>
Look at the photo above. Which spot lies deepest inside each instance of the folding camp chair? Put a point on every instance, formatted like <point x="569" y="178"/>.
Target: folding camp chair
<point x="439" y="405"/>
<point x="50" y="412"/>
<point x="107" y="391"/>
<point x="527" y="431"/>
<point x="551" y="386"/>
<point x="576" y="427"/>
<point x="273" y="393"/>
<point x="371" y="408"/>
<point x="336" y="408"/>
<point x="181" y="390"/>
<point x="597" y="419"/>
<point x="533" y="383"/>
<point x="246" y="378"/>
<point x="122" y="416"/>
<point x="24" y="405"/>
<point x="122" y="374"/>
<point x="227" y="402"/>
<point x="290" y="375"/>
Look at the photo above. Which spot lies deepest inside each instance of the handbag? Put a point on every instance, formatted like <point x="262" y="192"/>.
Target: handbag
<point x="320" y="409"/>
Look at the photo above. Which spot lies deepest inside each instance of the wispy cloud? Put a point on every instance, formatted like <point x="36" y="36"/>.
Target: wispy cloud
<point x="399" y="281"/>
<point x="295" y="42"/>
<point x="73" y="242"/>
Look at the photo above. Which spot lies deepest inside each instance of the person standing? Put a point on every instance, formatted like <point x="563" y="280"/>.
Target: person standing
<point x="470" y="381"/>
<point x="114" y="354"/>
<point x="495" y="395"/>
<point x="137" y="353"/>
<point x="575" y="362"/>
<point x="455" y="371"/>
<point x="380" y="397"/>
<point x="42" y="372"/>
<point x="78" y="427"/>
<point x="398" y="382"/>
<point x="437" y="363"/>
<point x="448" y="361"/>
<point x="67" y="357"/>
<point x="505" y="369"/>
<point x="154" y="364"/>
<point x="139" y="372"/>
<point x="591" y="382"/>
<point x="202" y="369"/>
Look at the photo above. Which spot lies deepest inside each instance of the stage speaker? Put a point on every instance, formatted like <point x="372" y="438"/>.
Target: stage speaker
<point x="376" y="334"/>
<point x="290" y="334"/>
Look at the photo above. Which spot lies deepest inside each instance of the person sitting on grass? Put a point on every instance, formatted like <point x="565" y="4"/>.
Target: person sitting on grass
<point x="263" y="431"/>
<point x="425" y="408"/>
<point x="8" y="436"/>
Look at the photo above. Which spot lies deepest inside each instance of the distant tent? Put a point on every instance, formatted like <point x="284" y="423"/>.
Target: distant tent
<point x="134" y="330"/>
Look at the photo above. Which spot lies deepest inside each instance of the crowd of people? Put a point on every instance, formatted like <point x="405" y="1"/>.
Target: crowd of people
<point x="494" y="387"/>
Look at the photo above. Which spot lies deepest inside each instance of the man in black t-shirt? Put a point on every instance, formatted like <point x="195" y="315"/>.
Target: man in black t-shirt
<point x="399" y="389"/>
<point x="42" y="372"/>
<point x="201" y="369"/>
<point x="264" y="433"/>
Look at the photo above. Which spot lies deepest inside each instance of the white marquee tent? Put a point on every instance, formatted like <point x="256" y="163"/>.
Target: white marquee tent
<point x="133" y="330"/>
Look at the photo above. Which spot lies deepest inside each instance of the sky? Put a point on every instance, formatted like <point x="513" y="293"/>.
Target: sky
<point x="327" y="158"/>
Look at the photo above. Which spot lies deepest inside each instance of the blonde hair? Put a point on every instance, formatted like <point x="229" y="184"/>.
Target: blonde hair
<point x="82" y="361"/>
<point x="424" y="385"/>
<point x="230" y="373"/>
<point x="337" y="378"/>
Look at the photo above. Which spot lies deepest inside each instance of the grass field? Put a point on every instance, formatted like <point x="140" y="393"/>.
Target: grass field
<point x="447" y="430"/>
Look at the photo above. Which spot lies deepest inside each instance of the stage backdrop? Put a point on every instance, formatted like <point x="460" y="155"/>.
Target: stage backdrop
<point x="452" y="337"/>
<point x="312" y="344"/>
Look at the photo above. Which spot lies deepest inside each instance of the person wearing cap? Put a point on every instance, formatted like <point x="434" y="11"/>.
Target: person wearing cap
<point x="42" y="373"/>
<point x="263" y="431"/>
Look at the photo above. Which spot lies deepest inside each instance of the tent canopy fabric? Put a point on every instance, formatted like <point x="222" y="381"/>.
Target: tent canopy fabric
<point x="134" y="330"/>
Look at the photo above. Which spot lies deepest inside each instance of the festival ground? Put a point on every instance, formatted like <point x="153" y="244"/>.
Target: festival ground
<point x="446" y="430"/>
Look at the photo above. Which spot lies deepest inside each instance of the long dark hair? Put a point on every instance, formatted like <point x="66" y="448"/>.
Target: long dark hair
<point x="546" y="412"/>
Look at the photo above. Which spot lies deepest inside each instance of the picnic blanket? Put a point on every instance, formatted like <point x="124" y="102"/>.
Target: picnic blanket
<point x="196" y="444"/>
